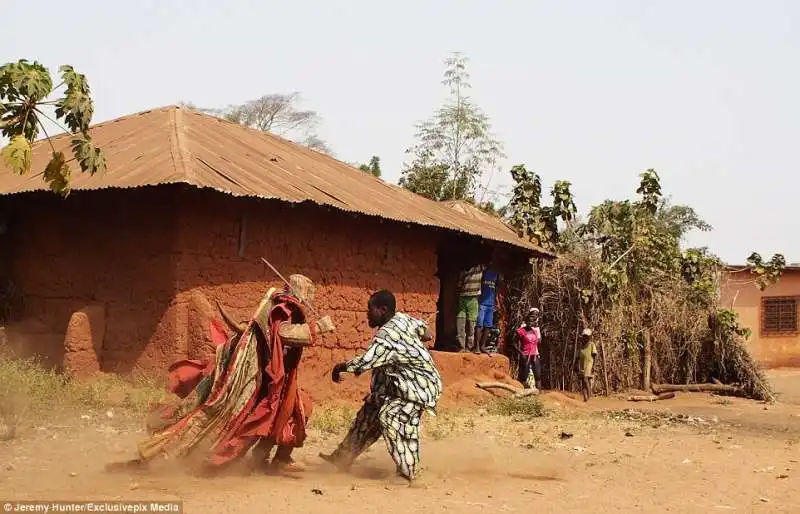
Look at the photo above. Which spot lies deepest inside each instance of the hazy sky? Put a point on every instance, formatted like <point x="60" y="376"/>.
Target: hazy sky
<point x="591" y="91"/>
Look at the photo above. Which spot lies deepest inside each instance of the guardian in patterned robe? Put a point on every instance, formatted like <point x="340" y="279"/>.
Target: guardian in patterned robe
<point x="248" y="394"/>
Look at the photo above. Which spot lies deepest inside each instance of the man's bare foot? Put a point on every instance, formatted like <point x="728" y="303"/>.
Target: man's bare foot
<point x="401" y="480"/>
<point x="287" y="467"/>
<point x="335" y="460"/>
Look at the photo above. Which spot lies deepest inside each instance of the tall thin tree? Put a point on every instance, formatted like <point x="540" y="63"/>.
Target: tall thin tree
<point x="455" y="146"/>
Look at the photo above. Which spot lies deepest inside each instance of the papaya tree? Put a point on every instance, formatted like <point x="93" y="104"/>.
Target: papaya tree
<point x="531" y="219"/>
<point x="26" y="90"/>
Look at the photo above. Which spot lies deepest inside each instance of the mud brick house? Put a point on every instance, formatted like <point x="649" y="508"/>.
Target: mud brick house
<point x="124" y="273"/>
<point x="771" y="315"/>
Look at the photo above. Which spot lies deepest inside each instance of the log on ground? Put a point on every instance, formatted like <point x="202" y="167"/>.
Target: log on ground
<point x="651" y="397"/>
<point x="517" y="393"/>
<point x="696" y="388"/>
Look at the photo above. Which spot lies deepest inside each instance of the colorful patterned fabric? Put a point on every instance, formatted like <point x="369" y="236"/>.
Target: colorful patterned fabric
<point x="397" y="421"/>
<point x="401" y="365"/>
<point x="245" y="396"/>
<point x="405" y="382"/>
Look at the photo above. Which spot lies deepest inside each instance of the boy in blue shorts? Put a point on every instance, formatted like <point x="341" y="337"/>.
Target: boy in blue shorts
<point x="486" y="303"/>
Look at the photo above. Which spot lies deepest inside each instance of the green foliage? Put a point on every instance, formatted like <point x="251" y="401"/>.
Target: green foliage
<point x="76" y="105"/>
<point x="17" y="155"/>
<point x="699" y="269"/>
<point x="57" y="173"/>
<point x="624" y="274"/>
<point x="531" y="219"/>
<point x="432" y="180"/>
<point x="768" y="272"/>
<point x="519" y="409"/>
<point x="679" y="220"/>
<point x="650" y="190"/>
<point x="24" y="88"/>
<point x="89" y="157"/>
<point x="455" y="146"/>
<point x="727" y="325"/>
<point x="373" y="168"/>
<point x="563" y="204"/>
<point x="638" y="245"/>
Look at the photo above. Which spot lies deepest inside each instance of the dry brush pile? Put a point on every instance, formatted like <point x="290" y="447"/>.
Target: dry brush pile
<point x="652" y="307"/>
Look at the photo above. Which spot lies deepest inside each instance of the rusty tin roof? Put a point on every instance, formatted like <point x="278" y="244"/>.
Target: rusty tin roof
<point x="175" y="145"/>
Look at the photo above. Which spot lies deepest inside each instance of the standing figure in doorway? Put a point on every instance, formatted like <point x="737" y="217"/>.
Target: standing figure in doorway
<point x="469" y="289"/>
<point x="486" y="304"/>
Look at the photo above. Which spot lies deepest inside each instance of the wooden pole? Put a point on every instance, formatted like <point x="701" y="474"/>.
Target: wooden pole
<point x="648" y="356"/>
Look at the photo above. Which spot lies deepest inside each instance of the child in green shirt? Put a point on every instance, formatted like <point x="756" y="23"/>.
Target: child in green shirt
<point x="586" y="363"/>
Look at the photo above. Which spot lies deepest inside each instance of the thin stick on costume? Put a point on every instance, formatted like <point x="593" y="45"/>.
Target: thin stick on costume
<point x="302" y="300"/>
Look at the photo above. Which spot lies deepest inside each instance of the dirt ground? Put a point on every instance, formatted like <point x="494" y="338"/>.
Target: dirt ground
<point x="694" y="453"/>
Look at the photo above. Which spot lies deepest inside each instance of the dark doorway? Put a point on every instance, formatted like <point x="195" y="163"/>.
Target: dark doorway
<point x="454" y="255"/>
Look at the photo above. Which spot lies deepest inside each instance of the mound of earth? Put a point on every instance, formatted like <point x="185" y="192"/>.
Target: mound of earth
<point x="460" y="372"/>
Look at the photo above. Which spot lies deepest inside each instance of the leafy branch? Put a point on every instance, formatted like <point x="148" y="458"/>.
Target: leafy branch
<point x="766" y="272"/>
<point x="531" y="219"/>
<point x="24" y="89"/>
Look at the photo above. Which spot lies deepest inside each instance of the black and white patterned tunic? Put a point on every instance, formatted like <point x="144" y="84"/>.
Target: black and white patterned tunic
<point x="401" y="365"/>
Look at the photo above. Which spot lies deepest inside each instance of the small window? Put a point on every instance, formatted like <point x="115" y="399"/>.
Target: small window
<point x="779" y="316"/>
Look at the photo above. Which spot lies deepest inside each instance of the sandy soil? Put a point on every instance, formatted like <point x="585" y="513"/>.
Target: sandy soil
<point x="718" y="455"/>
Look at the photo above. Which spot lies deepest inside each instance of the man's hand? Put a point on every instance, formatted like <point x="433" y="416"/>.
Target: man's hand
<point x="336" y="374"/>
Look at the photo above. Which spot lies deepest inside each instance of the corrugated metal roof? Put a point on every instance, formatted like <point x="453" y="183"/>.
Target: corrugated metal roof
<point x="177" y="145"/>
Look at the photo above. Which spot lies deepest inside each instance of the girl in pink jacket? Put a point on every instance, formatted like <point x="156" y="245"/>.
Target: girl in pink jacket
<point x="529" y="336"/>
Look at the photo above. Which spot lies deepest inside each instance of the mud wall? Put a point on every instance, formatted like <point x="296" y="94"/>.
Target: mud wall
<point x="740" y="294"/>
<point x="154" y="261"/>
<point x="218" y="259"/>
<point x="107" y="252"/>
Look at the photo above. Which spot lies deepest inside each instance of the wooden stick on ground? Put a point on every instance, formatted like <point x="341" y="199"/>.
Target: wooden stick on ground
<point x="518" y="393"/>
<point x="651" y="397"/>
<point x="697" y="388"/>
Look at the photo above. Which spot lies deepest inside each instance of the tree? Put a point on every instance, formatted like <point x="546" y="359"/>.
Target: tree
<point x="455" y="146"/>
<point x="313" y="142"/>
<point x="24" y="89"/>
<point x="622" y="272"/>
<point x="277" y="114"/>
<point x="640" y="250"/>
<point x="529" y="217"/>
<point x="373" y="168"/>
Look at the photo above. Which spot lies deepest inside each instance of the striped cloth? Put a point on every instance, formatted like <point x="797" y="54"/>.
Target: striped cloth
<point x="470" y="281"/>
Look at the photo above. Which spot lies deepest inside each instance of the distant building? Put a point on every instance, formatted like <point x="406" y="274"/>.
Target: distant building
<point x="771" y="315"/>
